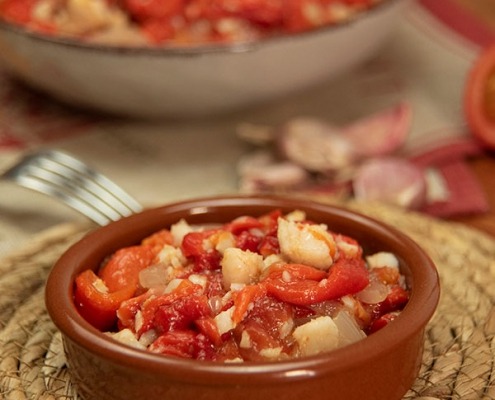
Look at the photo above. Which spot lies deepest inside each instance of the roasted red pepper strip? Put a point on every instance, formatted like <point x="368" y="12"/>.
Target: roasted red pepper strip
<point x="122" y="269"/>
<point x="98" y="307"/>
<point x="244" y="298"/>
<point x="296" y="272"/>
<point x="157" y="240"/>
<point x="346" y="276"/>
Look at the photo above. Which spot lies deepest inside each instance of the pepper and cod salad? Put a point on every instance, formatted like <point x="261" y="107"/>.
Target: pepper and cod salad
<point x="265" y="288"/>
<point x="177" y="22"/>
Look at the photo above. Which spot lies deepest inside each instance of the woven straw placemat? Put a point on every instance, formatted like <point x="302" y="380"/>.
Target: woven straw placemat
<point x="458" y="362"/>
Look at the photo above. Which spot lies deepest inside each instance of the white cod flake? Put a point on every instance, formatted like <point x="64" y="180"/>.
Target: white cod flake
<point x="382" y="259"/>
<point x="317" y="336"/>
<point x="239" y="266"/>
<point x="171" y="256"/>
<point x="306" y="244"/>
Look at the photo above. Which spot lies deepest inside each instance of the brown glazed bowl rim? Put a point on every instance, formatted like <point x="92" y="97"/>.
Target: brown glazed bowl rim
<point x="91" y="249"/>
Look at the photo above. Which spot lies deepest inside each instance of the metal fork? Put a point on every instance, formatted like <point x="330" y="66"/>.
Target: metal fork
<point x="60" y="175"/>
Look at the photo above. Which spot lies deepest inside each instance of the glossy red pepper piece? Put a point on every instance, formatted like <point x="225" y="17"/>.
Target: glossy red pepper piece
<point x="346" y="276"/>
<point x="96" y="306"/>
<point x="122" y="269"/>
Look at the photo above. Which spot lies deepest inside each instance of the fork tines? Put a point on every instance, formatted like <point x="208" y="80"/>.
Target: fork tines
<point x="60" y="175"/>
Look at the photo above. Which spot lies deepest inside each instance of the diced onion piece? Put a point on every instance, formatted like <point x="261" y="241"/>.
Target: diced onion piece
<point x="172" y="285"/>
<point x="374" y="293"/>
<point x="224" y="321"/>
<point x="245" y="342"/>
<point x="286" y="328"/>
<point x="349" y="330"/>
<point x="148" y="337"/>
<point x="198" y="279"/>
<point x="154" y="276"/>
<point x="179" y="230"/>
<point x="216" y="304"/>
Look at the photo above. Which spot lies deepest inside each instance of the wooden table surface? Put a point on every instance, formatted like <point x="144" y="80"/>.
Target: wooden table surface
<point x="483" y="167"/>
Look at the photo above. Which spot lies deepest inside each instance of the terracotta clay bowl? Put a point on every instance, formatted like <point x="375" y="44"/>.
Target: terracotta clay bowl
<point x="382" y="366"/>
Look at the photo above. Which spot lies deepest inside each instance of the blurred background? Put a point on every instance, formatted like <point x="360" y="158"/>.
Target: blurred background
<point x="423" y="64"/>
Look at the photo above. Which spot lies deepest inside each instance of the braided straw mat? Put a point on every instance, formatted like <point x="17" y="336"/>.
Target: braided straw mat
<point x="458" y="361"/>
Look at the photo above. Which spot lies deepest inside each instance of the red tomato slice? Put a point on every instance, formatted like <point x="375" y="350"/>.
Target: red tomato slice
<point x="479" y="98"/>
